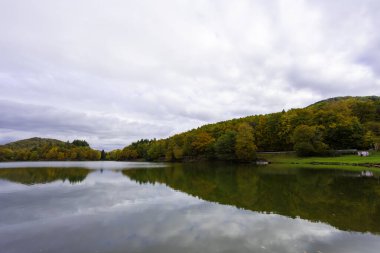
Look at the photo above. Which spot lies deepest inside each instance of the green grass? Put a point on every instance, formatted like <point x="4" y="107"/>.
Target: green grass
<point x="344" y="162"/>
<point x="291" y="166"/>
<point x="373" y="159"/>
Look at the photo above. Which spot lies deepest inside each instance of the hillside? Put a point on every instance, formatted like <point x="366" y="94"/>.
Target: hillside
<point x="318" y="129"/>
<point x="37" y="149"/>
<point x="34" y="142"/>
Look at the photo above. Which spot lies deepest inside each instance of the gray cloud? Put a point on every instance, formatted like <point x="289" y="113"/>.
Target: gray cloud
<point x="116" y="71"/>
<point x="20" y="119"/>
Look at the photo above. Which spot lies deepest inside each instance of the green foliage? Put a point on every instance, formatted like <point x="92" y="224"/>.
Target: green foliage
<point x="40" y="149"/>
<point x="156" y="150"/>
<point x="128" y="154"/>
<point x="225" y="146"/>
<point x="374" y="127"/>
<point x="202" y="143"/>
<point x="308" y="141"/>
<point x="6" y="154"/>
<point x="34" y="143"/>
<point x="365" y="110"/>
<point x="80" y="143"/>
<point x="338" y="123"/>
<point x="245" y="149"/>
<point x="114" y="155"/>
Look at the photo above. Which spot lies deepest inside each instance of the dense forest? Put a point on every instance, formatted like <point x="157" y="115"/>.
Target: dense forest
<point x="319" y="129"/>
<point x="40" y="149"/>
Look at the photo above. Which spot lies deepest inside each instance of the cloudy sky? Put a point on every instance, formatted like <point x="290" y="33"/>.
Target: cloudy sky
<point x="115" y="71"/>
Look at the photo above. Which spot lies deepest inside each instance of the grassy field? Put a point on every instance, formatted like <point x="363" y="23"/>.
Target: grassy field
<point x="372" y="160"/>
<point x="354" y="168"/>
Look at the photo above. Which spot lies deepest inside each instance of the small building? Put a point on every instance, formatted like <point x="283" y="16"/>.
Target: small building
<point x="363" y="153"/>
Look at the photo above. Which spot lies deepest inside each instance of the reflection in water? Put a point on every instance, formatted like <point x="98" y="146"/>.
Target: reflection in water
<point x="30" y="176"/>
<point x="109" y="212"/>
<point x="342" y="199"/>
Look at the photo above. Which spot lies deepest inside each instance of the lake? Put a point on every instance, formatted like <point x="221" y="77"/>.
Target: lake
<point x="197" y="207"/>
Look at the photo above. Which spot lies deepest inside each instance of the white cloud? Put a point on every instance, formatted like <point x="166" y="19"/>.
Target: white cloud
<point x="173" y="65"/>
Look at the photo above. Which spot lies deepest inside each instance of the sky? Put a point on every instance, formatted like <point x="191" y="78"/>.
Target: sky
<point x="115" y="71"/>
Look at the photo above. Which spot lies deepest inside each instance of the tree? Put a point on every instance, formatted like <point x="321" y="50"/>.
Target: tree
<point x="202" y="143"/>
<point x="60" y="156"/>
<point x="225" y="146"/>
<point x="128" y="154"/>
<point x="34" y="156"/>
<point x="308" y="141"/>
<point x="6" y="154"/>
<point x="346" y="132"/>
<point x="374" y="127"/>
<point x="155" y="151"/>
<point x="173" y="152"/>
<point x="80" y="143"/>
<point x="369" y="140"/>
<point x="52" y="154"/>
<point x="245" y="148"/>
<point x="114" y="155"/>
<point x="177" y="152"/>
<point x="337" y="123"/>
<point x="364" y="110"/>
<point x="103" y="155"/>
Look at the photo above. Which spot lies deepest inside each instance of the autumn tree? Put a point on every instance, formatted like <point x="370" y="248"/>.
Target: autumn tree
<point x="128" y="153"/>
<point x="225" y="146"/>
<point x="308" y="141"/>
<point x="6" y="154"/>
<point x="245" y="148"/>
<point x="156" y="150"/>
<point x="364" y="110"/>
<point x="202" y="143"/>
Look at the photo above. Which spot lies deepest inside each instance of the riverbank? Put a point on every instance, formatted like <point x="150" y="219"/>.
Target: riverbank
<point x="371" y="161"/>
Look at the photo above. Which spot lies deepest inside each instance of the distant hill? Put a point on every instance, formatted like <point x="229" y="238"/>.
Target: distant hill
<point x="37" y="149"/>
<point x="335" y="123"/>
<point x="375" y="99"/>
<point x="34" y="142"/>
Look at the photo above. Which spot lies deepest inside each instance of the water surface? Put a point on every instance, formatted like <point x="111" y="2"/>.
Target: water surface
<point x="129" y="207"/>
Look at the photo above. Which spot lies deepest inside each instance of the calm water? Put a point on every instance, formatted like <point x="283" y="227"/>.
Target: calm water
<point x="142" y="207"/>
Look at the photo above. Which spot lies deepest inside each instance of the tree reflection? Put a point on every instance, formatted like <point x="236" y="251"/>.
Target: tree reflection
<point x="345" y="200"/>
<point x="30" y="176"/>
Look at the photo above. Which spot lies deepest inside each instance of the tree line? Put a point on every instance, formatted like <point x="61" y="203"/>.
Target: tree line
<point x="319" y="129"/>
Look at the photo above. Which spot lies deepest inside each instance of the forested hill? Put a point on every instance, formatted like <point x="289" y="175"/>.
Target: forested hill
<point x="336" y="123"/>
<point x="37" y="149"/>
<point x="33" y="143"/>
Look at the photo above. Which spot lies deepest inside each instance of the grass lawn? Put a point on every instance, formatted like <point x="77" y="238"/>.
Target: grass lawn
<point x="345" y="167"/>
<point x="373" y="159"/>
